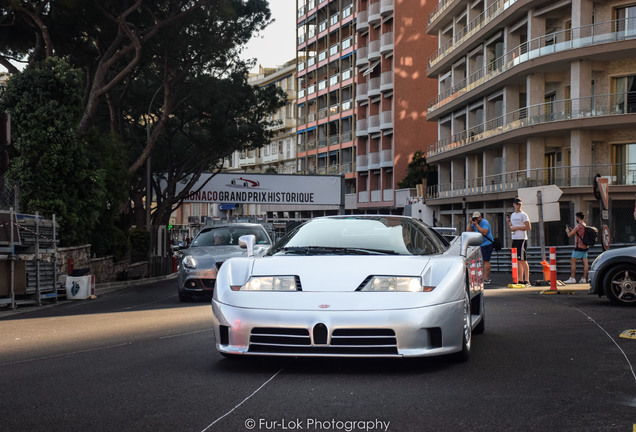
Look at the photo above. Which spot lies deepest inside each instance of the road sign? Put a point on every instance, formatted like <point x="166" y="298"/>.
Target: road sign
<point x="605" y="237"/>
<point x="550" y="212"/>
<point x="603" y="188"/>
<point x="549" y="194"/>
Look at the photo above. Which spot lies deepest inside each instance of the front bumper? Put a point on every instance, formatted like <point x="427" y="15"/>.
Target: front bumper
<point x="416" y="332"/>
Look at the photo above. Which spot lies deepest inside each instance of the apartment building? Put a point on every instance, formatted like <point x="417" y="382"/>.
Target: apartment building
<point x="531" y="93"/>
<point x="362" y="95"/>
<point x="391" y="98"/>
<point x="325" y="105"/>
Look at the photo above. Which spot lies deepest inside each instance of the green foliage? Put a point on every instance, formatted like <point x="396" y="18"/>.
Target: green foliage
<point x="58" y="172"/>
<point x="417" y="171"/>
<point x="139" y="242"/>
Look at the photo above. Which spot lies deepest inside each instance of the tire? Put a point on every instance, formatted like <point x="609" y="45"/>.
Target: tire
<point x="467" y="333"/>
<point x="619" y="284"/>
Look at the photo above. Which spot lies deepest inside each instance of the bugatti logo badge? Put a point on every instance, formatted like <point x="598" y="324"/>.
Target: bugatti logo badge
<point x="323" y="306"/>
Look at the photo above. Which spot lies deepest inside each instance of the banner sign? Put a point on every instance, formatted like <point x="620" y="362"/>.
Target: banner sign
<point x="267" y="189"/>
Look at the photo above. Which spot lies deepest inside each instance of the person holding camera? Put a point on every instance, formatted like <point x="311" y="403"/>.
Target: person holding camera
<point x="482" y="226"/>
<point x="580" y="248"/>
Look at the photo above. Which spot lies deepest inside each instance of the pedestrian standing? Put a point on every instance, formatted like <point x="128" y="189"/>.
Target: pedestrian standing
<point x="580" y="248"/>
<point x="482" y="226"/>
<point x="519" y="224"/>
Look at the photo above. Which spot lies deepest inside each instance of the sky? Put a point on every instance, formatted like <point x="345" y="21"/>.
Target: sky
<point x="277" y="43"/>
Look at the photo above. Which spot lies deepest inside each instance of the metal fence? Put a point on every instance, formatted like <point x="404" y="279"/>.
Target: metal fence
<point x="8" y="196"/>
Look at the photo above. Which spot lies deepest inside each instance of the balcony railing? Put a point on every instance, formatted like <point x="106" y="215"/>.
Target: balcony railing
<point x="475" y="25"/>
<point x="567" y="109"/>
<point x="438" y="10"/>
<point x="386" y="7"/>
<point x="563" y="176"/>
<point x="589" y="35"/>
<point x="362" y="20"/>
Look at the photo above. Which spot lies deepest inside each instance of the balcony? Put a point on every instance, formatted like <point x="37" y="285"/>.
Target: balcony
<point x="376" y="196"/>
<point x="361" y="127"/>
<point x="589" y="107"/>
<point x="386" y="43"/>
<point x="386" y="120"/>
<point x="373" y="87"/>
<point x="374" y="124"/>
<point x="361" y="92"/>
<point x="374" y="13"/>
<point x="362" y="23"/>
<point x="386" y="7"/>
<point x="563" y="177"/>
<point x="374" y="50"/>
<point x="272" y="157"/>
<point x="493" y="11"/>
<point x="363" y="196"/>
<point x="347" y="105"/>
<point x="361" y="162"/>
<point x="386" y="81"/>
<point x="374" y="160"/>
<point x="333" y="80"/>
<point x="347" y="43"/>
<point x="386" y="158"/>
<point x="347" y="74"/>
<point x="334" y="50"/>
<point x="361" y="56"/>
<point x="578" y="37"/>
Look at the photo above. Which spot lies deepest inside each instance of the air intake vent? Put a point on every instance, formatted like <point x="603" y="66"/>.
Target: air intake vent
<point x="320" y="334"/>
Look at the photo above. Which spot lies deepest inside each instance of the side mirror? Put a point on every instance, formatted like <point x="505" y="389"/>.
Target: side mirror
<point x="470" y="239"/>
<point x="247" y="242"/>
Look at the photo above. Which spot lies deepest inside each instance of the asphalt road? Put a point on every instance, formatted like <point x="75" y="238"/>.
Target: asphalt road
<point x="138" y="360"/>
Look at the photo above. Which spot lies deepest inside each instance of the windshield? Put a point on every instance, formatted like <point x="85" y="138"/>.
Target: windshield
<point x="361" y="235"/>
<point x="224" y="236"/>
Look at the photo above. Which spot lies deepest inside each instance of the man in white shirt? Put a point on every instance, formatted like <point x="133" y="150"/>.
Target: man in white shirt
<point x="519" y="224"/>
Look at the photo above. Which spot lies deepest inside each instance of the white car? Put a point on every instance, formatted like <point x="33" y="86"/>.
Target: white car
<point x="380" y="286"/>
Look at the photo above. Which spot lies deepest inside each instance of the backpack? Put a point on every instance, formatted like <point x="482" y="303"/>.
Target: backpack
<point x="589" y="237"/>
<point x="496" y="243"/>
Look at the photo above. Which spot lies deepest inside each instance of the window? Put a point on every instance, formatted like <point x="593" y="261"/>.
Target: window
<point x="625" y="21"/>
<point x="624" y="90"/>
<point x="624" y="164"/>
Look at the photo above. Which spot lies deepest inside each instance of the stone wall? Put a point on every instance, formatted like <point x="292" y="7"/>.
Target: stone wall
<point x="104" y="269"/>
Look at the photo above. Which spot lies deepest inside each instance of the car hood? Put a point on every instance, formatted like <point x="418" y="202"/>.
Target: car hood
<point x="338" y="273"/>
<point x="333" y="280"/>
<point x="222" y="253"/>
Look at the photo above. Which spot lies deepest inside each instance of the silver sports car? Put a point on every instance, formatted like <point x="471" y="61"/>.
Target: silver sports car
<point x="210" y="248"/>
<point x="381" y="286"/>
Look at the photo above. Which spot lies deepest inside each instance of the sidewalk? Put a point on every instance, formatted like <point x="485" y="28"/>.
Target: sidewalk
<point x="100" y="289"/>
<point x="502" y="279"/>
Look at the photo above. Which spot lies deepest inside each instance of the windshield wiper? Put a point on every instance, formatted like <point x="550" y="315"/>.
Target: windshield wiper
<point x="326" y="250"/>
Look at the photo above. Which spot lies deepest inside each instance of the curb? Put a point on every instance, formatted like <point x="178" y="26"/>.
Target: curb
<point x="108" y="287"/>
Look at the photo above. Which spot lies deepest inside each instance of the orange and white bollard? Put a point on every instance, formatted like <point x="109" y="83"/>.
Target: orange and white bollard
<point x="515" y="268"/>
<point x="553" y="282"/>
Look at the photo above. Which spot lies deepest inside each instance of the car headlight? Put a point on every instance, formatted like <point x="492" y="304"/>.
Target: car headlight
<point x="395" y="283"/>
<point x="269" y="283"/>
<point x="189" y="262"/>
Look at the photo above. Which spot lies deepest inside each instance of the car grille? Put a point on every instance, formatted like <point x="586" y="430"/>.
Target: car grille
<point x="343" y="341"/>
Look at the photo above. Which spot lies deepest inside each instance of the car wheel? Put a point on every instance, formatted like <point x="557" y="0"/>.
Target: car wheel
<point x="481" y="327"/>
<point x="467" y="333"/>
<point x="620" y="284"/>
